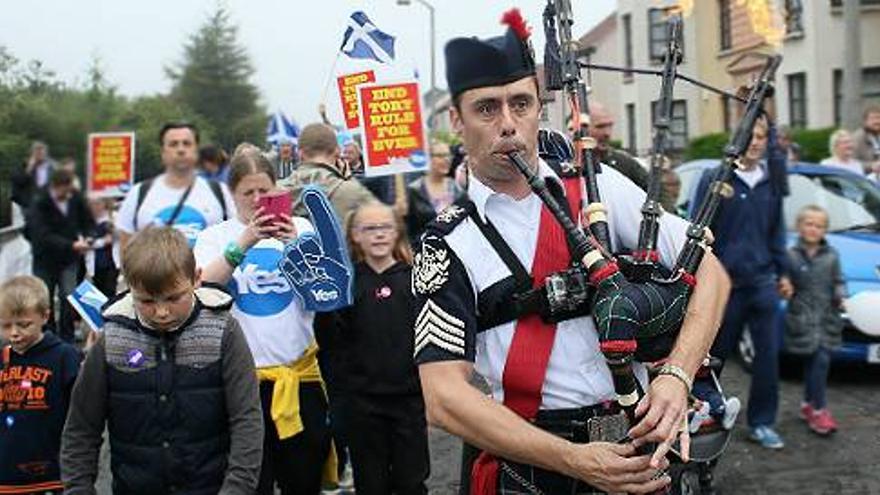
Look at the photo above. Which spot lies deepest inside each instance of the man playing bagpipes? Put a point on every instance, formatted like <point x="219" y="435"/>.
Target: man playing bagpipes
<point x="552" y="424"/>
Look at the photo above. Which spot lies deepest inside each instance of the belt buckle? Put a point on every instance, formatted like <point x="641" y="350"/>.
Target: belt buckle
<point x="609" y="428"/>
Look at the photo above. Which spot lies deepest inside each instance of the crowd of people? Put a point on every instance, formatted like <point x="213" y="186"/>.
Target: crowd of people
<point x="210" y="375"/>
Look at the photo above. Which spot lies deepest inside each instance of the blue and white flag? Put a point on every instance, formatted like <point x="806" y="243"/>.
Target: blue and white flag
<point x="87" y="300"/>
<point x="281" y="129"/>
<point x="364" y="40"/>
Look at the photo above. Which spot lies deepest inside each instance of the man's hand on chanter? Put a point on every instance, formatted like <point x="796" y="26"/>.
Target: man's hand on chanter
<point x="616" y="468"/>
<point x="663" y="413"/>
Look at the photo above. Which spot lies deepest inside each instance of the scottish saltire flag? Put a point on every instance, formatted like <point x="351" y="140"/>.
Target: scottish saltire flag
<point x="363" y="39"/>
<point x="280" y="129"/>
<point x="87" y="300"/>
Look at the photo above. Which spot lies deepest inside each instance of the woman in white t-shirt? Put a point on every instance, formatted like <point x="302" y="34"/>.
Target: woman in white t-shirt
<point x="242" y="253"/>
<point x="843" y="151"/>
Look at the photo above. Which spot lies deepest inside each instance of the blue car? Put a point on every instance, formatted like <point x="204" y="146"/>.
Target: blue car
<point x="853" y="203"/>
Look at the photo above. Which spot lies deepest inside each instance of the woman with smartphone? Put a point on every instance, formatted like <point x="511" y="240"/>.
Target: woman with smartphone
<point x="242" y="253"/>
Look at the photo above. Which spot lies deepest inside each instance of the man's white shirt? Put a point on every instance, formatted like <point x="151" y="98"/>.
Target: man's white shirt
<point x="576" y="373"/>
<point x="200" y="210"/>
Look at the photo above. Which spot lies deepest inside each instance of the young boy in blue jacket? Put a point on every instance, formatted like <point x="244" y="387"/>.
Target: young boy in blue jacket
<point x="37" y="372"/>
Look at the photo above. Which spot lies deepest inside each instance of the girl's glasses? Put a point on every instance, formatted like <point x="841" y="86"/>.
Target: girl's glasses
<point x="376" y="228"/>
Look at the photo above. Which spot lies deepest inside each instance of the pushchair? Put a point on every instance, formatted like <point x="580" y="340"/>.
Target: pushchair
<point x="708" y="443"/>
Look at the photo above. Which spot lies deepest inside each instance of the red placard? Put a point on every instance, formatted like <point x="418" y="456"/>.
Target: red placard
<point x="111" y="163"/>
<point x="348" y="95"/>
<point x="394" y="138"/>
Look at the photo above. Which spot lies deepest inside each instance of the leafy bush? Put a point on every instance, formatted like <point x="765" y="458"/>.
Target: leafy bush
<point x="708" y="146"/>
<point x="813" y="142"/>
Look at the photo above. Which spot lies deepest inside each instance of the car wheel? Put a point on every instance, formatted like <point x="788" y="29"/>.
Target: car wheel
<point x="746" y="349"/>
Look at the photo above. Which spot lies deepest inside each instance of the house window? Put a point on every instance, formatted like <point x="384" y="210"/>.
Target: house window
<point x="656" y="34"/>
<point x="726" y="38"/>
<point x="678" y="125"/>
<point x="631" y="128"/>
<point x="725" y="112"/>
<point x="839" y="3"/>
<point x="657" y="31"/>
<point x="626" y="19"/>
<point x="870" y="90"/>
<point x="794" y="11"/>
<point x="797" y="100"/>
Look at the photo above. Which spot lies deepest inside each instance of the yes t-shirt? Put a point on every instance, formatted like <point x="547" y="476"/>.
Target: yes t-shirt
<point x="277" y="328"/>
<point x="201" y="209"/>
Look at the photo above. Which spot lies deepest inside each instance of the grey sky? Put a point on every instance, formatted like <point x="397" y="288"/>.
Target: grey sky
<point x="292" y="43"/>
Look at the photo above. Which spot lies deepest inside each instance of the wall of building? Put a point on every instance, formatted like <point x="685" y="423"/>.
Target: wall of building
<point x="641" y="91"/>
<point x="818" y="52"/>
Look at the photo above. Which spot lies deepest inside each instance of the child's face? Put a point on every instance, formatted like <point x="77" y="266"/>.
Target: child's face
<point x="375" y="232"/>
<point x="97" y="207"/>
<point x="812" y="226"/>
<point x="166" y="311"/>
<point x="23" y="329"/>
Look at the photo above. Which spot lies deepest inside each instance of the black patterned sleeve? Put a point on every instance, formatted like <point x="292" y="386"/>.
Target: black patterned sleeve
<point x="446" y="317"/>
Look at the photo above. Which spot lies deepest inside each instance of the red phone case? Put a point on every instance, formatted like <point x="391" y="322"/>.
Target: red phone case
<point x="276" y="203"/>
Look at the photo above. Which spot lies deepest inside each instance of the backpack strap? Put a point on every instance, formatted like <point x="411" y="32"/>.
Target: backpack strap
<point x="142" y="195"/>
<point x="5" y="356"/>
<point x="217" y="189"/>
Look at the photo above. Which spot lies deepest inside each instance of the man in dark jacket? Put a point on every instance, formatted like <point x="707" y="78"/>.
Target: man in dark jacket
<point x="750" y="242"/>
<point x="28" y="182"/>
<point x="57" y="225"/>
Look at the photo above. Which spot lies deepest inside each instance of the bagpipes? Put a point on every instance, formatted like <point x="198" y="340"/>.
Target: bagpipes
<point x="638" y="310"/>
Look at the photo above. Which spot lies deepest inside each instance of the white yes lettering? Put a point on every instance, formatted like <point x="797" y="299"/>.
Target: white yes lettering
<point x="251" y="279"/>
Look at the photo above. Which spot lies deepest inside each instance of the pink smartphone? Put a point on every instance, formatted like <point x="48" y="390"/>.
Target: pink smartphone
<point x="277" y="203"/>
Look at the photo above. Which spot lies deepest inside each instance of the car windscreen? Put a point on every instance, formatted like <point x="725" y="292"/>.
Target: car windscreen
<point x="852" y="202"/>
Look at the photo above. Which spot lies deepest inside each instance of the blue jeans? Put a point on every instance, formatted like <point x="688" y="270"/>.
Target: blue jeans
<point x="755" y="307"/>
<point x="816" y="377"/>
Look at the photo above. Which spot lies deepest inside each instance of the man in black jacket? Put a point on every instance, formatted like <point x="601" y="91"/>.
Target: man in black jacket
<point x="57" y="225"/>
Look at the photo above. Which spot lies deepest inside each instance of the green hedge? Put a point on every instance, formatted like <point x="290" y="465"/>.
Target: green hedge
<point x="813" y="142"/>
<point x="708" y="146"/>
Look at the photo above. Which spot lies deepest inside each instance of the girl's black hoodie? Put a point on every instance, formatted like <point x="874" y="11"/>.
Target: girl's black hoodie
<point x="34" y="395"/>
<point x="372" y="341"/>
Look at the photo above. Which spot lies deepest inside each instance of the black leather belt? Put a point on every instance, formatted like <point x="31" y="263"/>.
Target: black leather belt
<point x="601" y="422"/>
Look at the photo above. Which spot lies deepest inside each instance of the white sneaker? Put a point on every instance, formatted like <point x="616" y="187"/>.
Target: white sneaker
<point x="731" y="411"/>
<point x="698" y="417"/>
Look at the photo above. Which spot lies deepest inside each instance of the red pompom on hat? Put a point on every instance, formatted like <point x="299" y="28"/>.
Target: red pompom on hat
<point x="513" y="18"/>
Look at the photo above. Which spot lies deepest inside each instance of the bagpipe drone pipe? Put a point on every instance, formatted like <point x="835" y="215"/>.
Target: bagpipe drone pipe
<point x="638" y="308"/>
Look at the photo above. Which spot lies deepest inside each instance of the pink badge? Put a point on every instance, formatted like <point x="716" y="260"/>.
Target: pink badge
<point x="383" y="292"/>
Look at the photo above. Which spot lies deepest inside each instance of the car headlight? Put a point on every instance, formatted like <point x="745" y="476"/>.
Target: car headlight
<point x="863" y="310"/>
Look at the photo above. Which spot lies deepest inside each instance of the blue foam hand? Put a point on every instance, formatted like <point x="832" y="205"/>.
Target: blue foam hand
<point x="317" y="263"/>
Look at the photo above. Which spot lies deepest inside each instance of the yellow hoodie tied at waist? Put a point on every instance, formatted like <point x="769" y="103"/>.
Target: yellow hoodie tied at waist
<point x="285" y="399"/>
<point x="285" y="394"/>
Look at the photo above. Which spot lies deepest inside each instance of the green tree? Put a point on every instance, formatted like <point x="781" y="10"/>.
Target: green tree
<point x="213" y="80"/>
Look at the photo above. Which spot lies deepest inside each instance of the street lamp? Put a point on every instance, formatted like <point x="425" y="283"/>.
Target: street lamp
<point x="433" y="38"/>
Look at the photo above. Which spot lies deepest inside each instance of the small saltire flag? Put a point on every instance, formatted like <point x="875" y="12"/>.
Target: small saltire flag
<point x="363" y="39"/>
<point x="281" y="129"/>
<point x="87" y="300"/>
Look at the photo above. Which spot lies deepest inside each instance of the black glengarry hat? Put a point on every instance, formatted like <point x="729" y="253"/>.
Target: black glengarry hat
<point x="473" y="63"/>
